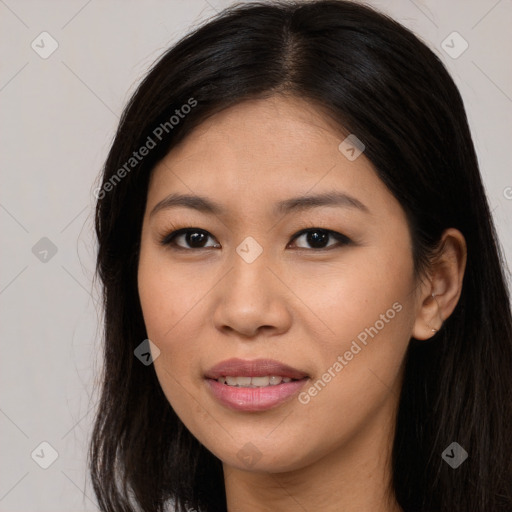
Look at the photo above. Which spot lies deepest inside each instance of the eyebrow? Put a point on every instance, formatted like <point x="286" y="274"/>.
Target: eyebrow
<point x="294" y="204"/>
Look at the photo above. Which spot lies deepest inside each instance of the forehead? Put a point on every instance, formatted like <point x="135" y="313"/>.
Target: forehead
<point x="263" y="151"/>
<point x="262" y="128"/>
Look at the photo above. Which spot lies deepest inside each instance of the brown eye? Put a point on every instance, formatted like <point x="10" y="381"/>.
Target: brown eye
<point x="318" y="238"/>
<point x="193" y="239"/>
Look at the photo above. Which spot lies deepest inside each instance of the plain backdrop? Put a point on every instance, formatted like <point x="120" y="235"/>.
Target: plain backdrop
<point x="59" y="115"/>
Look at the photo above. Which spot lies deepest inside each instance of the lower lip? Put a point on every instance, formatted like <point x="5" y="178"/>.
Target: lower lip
<point x="254" y="399"/>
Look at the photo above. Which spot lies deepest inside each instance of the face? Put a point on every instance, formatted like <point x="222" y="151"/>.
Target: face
<point x="281" y="321"/>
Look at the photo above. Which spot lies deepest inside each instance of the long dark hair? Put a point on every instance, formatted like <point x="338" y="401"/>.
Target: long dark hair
<point x="378" y="81"/>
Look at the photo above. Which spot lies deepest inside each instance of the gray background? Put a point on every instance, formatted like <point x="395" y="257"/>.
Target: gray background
<point x="59" y="115"/>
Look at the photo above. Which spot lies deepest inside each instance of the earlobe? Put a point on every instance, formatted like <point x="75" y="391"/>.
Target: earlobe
<point x="429" y="320"/>
<point x="433" y="329"/>
<point x="444" y="286"/>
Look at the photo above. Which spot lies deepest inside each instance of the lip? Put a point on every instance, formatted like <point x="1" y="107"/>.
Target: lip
<point x="254" y="399"/>
<point x="253" y="368"/>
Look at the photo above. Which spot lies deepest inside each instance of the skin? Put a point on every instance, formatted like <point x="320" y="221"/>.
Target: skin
<point x="295" y="303"/>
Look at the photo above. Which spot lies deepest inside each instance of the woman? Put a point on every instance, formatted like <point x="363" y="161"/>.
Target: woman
<point x="305" y="304"/>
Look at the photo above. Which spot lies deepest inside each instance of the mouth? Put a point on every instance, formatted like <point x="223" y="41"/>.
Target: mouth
<point x="253" y="382"/>
<point x="254" y="385"/>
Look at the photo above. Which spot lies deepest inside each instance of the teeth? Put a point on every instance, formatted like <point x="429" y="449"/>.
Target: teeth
<point x="253" y="382"/>
<point x="260" y="381"/>
<point x="243" y="381"/>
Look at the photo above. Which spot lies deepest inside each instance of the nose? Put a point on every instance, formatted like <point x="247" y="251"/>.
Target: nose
<point x="250" y="300"/>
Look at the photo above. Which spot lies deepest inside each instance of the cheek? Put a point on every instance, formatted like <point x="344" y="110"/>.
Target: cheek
<point x="365" y="289"/>
<point x="359" y="378"/>
<point x="368" y="306"/>
<point x="165" y="303"/>
<point x="167" y="296"/>
<point x="172" y="302"/>
<point x="171" y="320"/>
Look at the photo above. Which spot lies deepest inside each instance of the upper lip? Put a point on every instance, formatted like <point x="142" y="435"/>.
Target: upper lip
<point x="253" y="368"/>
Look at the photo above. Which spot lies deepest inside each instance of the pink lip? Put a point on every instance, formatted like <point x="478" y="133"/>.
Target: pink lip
<point x="253" y="368"/>
<point x="254" y="399"/>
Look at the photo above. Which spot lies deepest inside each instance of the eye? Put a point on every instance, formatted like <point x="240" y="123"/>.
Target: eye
<point x="194" y="237"/>
<point x="318" y="237"/>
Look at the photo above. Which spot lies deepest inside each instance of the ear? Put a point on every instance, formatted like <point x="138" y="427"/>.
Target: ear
<point x="440" y="293"/>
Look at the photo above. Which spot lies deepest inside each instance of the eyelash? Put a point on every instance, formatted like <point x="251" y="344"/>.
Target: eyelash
<point x="169" y="239"/>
